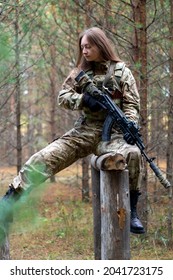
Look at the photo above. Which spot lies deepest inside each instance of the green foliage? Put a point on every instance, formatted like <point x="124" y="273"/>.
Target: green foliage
<point x="4" y="45"/>
<point x="6" y="54"/>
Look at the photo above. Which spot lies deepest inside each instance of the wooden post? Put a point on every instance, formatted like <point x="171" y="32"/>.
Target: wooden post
<point x="111" y="207"/>
<point x="95" y="174"/>
<point x="5" y="250"/>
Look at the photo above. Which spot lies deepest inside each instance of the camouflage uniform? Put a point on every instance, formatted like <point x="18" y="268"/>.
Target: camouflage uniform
<point x="85" y="137"/>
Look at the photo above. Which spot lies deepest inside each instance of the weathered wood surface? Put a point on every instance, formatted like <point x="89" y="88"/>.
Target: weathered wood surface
<point x="96" y="211"/>
<point x="108" y="161"/>
<point x="115" y="215"/>
<point x="111" y="207"/>
<point x="5" y="250"/>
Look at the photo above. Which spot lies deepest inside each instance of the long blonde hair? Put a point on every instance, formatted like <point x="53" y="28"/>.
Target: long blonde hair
<point x="97" y="37"/>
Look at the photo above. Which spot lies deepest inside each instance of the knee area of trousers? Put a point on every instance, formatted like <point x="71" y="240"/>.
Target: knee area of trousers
<point x="134" y="164"/>
<point x="35" y="159"/>
<point x="134" y="156"/>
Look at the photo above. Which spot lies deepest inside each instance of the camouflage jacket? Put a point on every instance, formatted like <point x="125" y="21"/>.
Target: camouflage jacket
<point x="126" y="94"/>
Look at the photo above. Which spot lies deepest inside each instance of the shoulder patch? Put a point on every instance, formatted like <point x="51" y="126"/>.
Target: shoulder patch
<point x="119" y="68"/>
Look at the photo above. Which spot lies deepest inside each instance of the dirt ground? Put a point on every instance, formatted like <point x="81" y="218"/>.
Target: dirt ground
<point x="53" y="223"/>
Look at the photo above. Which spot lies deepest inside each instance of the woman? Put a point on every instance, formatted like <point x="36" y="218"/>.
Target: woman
<point x="97" y="58"/>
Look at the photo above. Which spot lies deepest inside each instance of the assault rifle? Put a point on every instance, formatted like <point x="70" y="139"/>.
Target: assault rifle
<point x="115" y="115"/>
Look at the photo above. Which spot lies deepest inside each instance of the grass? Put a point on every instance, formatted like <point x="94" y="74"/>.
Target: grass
<point x="54" y="224"/>
<point x="58" y="230"/>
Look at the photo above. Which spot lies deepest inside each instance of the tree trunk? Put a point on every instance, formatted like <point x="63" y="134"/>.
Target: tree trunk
<point x="85" y="161"/>
<point x="5" y="250"/>
<point x="170" y="127"/>
<point x="18" y="93"/>
<point x="140" y="58"/>
<point x="85" y="179"/>
<point x="53" y="94"/>
<point x="87" y="17"/>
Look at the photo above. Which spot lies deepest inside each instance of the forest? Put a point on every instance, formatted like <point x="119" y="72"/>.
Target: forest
<point x="38" y="49"/>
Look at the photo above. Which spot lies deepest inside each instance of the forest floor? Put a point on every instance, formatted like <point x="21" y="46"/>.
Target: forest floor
<point x="54" y="224"/>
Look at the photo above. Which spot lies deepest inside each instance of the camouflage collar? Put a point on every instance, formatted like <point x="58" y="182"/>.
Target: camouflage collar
<point x="98" y="68"/>
<point x="101" y="66"/>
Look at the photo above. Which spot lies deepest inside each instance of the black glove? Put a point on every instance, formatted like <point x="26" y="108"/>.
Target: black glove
<point x="91" y="103"/>
<point x="86" y="84"/>
<point x="128" y="138"/>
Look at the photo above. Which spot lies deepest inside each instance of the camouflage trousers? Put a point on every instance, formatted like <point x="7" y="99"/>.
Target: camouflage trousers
<point x="84" y="139"/>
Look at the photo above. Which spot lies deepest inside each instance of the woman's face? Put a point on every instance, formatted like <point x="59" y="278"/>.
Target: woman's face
<point x="90" y="52"/>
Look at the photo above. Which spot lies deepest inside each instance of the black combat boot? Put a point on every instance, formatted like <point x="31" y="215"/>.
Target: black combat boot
<point x="6" y="210"/>
<point x="12" y="194"/>
<point x="135" y="224"/>
<point x="7" y="201"/>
